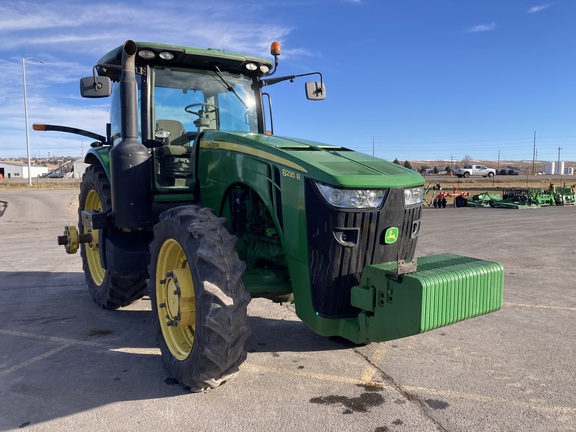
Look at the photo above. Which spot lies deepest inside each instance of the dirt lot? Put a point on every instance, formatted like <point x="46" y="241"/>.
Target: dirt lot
<point x="67" y="365"/>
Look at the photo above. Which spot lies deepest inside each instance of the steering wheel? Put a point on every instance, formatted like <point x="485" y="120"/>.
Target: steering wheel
<point x="201" y="113"/>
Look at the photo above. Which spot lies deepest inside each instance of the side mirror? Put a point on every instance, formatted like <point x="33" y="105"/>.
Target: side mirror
<point x="315" y="90"/>
<point x="95" y="87"/>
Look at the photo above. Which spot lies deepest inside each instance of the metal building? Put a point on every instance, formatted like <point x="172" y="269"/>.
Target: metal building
<point x="79" y="168"/>
<point x="14" y="170"/>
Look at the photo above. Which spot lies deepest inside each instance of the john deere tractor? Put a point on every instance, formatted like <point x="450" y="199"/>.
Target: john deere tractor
<point x="190" y="195"/>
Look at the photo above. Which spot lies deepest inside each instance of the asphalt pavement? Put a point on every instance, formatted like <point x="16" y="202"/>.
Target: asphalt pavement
<point x="67" y="365"/>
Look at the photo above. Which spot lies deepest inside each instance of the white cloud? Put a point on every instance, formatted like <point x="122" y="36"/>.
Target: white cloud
<point x="24" y="25"/>
<point x="70" y="38"/>
<point x="481" y="28"/>
<point x="538" y="8"/>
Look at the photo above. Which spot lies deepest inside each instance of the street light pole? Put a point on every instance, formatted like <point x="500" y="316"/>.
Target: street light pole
<point x="26" y="116"/>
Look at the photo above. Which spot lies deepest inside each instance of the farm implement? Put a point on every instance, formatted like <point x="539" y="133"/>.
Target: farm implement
<point x="517" y="198"/>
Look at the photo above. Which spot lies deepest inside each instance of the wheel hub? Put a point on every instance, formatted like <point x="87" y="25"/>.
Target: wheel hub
<point x="179" y="301"/>
<point x="72" y="239"/>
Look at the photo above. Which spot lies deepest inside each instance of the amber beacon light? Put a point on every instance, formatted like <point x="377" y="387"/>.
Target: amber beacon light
<point x="275" y="49"/>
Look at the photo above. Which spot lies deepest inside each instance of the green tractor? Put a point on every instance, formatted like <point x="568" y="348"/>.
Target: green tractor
<point x="191" y="196"/>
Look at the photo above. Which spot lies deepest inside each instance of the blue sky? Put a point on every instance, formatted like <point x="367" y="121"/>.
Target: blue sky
<point x="416" y="79"/>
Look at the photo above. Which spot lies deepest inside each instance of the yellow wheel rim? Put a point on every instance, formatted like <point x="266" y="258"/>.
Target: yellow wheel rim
<point x="92" y="249"/>
<point x="175" y="300"/>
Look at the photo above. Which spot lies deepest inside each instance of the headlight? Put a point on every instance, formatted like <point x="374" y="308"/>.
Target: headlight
<point x="351" y="198"/>
<point x="413" y="196"/>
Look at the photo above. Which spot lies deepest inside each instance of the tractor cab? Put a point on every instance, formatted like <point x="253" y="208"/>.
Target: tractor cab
<point x="183" y="92"/>
<point x="186" y="102"/>
<point x="181" y="95"/>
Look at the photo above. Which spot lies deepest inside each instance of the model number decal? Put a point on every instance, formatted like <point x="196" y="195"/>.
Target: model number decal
<point x="290" y="174"/>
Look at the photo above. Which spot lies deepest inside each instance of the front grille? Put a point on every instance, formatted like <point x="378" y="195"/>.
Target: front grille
<point x="336" y="268"/>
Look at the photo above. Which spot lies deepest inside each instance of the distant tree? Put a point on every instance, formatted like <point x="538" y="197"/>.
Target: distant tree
<point x="435" y="171"/>
<point x="422" y="169"/>
<point x="396" y="161"/>
<point x="448" y="169"/>
<point x="407" y="164"/>
<point x="467" y="160"/>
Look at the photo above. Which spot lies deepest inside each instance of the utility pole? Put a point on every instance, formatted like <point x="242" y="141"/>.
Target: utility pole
<point x="498" y="160"/>
<point x="558" y="166"/>
<point x="534" y="155"/>
<point x="26" y="115"/>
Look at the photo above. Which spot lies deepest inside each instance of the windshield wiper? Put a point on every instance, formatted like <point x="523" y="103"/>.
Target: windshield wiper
<point x="228" y="86"/>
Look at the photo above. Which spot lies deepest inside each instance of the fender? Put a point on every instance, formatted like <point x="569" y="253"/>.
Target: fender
<point x="99" y="155"/>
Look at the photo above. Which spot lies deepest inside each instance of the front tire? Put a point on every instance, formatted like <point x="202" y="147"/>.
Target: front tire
<point x="198" y="298"/>
<point x="108" y="291"/>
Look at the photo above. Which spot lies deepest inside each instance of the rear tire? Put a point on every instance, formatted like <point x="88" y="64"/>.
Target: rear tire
<point x="466" y="174"/>
<point x="108" y="291"/>
<point x="198" y="298"/>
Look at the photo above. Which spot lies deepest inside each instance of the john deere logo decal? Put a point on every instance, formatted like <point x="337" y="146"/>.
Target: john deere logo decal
<point x="391" y="235"/>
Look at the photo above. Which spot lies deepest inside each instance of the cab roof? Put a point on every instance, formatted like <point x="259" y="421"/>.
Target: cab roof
<point x="184" y="57"/>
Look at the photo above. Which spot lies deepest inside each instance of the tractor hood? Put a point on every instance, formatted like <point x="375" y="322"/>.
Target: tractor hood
<point x="333" y="165"/>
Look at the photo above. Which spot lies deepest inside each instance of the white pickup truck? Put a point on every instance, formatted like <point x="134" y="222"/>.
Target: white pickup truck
<point x="475" y="170"/>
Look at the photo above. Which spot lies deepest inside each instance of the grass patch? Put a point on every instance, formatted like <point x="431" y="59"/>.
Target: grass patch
<point x="46" y="184"/>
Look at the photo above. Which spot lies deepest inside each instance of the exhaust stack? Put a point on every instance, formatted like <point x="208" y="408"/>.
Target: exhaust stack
<point x="130" y="160"/>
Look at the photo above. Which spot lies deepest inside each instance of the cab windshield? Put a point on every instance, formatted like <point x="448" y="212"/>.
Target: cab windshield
<point x="204" y="99"/>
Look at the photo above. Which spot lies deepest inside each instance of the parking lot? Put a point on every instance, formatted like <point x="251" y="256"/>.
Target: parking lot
<point x="67" y="365"/>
